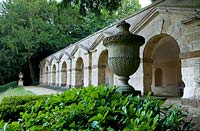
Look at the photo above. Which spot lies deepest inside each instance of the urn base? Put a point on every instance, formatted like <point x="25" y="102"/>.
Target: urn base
<point x="125" y="88"/>
<point x="20" y="83"/>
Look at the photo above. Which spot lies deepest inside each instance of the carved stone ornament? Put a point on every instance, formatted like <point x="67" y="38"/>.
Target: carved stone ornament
<point x="20" y="82"/>
<point x="123" y="55"/>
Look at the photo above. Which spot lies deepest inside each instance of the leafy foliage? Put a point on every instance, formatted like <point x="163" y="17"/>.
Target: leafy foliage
<point x="10" y="107"/>
<point x="26" y="31"/>
<point x="30" y="30"/>
<point x="94" y="6"/>
<point x="100" y="108"/>
<point x="8" y="86"/>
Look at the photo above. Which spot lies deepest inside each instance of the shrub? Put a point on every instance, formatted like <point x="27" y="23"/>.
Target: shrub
<point x="10" y="107"/>
<point x="99" y="109"/>
<point x="14" y="126"/>
<point x="8" y="86"/>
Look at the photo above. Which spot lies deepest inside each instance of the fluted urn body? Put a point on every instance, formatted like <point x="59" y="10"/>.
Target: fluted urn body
<point x="123" y="55"/>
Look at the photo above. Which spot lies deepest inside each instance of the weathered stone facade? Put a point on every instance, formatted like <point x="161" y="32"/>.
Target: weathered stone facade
<point x="170" y="57"/>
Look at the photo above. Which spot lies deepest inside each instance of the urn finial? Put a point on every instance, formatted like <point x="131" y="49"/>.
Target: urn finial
<point x="123" y="26"/>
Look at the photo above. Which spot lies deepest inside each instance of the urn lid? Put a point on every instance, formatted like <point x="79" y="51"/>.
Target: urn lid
<point x="123" y="27"/>
<point x="124" y="36"/>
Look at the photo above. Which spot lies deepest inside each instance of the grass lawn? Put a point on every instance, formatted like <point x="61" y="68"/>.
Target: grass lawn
<point x="18" y="91"/>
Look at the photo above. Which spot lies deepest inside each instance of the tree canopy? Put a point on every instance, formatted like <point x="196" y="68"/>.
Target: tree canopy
<point x="33" y="29"/>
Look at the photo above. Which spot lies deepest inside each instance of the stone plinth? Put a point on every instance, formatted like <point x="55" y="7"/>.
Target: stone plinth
<point x="20" y="83"/>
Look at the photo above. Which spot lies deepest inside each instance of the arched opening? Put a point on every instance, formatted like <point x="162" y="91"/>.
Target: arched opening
<point x="105" y="76"/>
<point x="54" y="75"/>
<point x="79" y="72"/>
<point x="47" y="75"/>
<point x="64" y="74"/>
<point x="162" y="66"/>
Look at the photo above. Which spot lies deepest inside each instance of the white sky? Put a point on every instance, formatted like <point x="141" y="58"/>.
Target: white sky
<point x="144" y="2"/>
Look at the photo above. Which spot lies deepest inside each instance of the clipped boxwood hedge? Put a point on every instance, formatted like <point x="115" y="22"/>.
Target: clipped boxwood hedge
<point x="99" y="109"/>
<point x="8" y="86"/>
<point x="11" y="106"/>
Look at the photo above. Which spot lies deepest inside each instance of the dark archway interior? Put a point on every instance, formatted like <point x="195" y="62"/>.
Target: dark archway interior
<point x="105" y="76"/>
<point x="79" y="72"/>
<point x="162" y="66"/>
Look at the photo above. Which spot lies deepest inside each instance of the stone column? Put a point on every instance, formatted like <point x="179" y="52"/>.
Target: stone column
<point x="51" y="75"/>
<point x="43" y="75"/>
<point x="69" y="72"/>
<point x="187" y="69"/>
<point x="48" y="75"/>
<point x="40" y="79"/>
<point x="137" y="79"/>
<point x="147" y="75"/>
<point x="94" y="74"/>
<point x="191" y="78"/>
<point x="87" y="69"/>
<point x="57" y="73"/>
<point x="73" y="73"/>
<point x="60" y="76"/>
<point x="197" y="77"/>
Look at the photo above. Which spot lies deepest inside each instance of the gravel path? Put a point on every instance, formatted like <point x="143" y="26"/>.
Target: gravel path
<point x="40" y="90"/>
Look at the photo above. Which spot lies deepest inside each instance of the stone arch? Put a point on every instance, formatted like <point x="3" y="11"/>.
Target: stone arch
<point x="162" y="66"/>
<point x="52" y="58"/>
<point x="60" y="56"/>
<point x="47" y="75"/>
<point x="63" y="54"/>
<point x="79" y="74"/>
<point x="54" y="75"/>
<point x="47" y="63"/>
<point x="105" y="76"/>
<point x="64" y="74"/>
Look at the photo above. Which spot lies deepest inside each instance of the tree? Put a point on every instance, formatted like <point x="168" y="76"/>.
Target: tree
<point x="27" y="28"/>
<point x="94" y="6"/>
<point x="30" y="30"/>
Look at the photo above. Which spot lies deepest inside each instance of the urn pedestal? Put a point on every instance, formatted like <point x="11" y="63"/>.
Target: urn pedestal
<point x="20" y="82"/>
<point x="123" y="55"/>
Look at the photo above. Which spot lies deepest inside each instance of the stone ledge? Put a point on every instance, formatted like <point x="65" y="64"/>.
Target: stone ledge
<point x="191" y="102"/>
<point x="191" y="54"/>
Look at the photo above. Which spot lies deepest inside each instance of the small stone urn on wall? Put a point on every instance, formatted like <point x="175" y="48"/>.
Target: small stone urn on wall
<point x="20" y="82"/>
<point x="123" y="55"/>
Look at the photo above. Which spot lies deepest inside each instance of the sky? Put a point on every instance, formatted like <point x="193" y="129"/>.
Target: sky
<point x="142" y="2"/>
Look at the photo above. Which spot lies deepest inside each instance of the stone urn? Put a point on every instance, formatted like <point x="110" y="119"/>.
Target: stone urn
<point x="123" y="55"/>
<point x="20" y="82"/>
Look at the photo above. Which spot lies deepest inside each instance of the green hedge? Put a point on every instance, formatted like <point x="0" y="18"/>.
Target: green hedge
<point x="97" y="109"/>
<point x="10" y="107"/>
<point x="8" y="86"/>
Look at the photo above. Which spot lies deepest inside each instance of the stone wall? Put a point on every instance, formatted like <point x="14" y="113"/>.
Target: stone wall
<point x="178" y="25"/>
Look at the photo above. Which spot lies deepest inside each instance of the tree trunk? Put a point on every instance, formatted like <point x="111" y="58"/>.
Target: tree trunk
<point x="32" y="74"/>
<point x="1" y="79"/>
